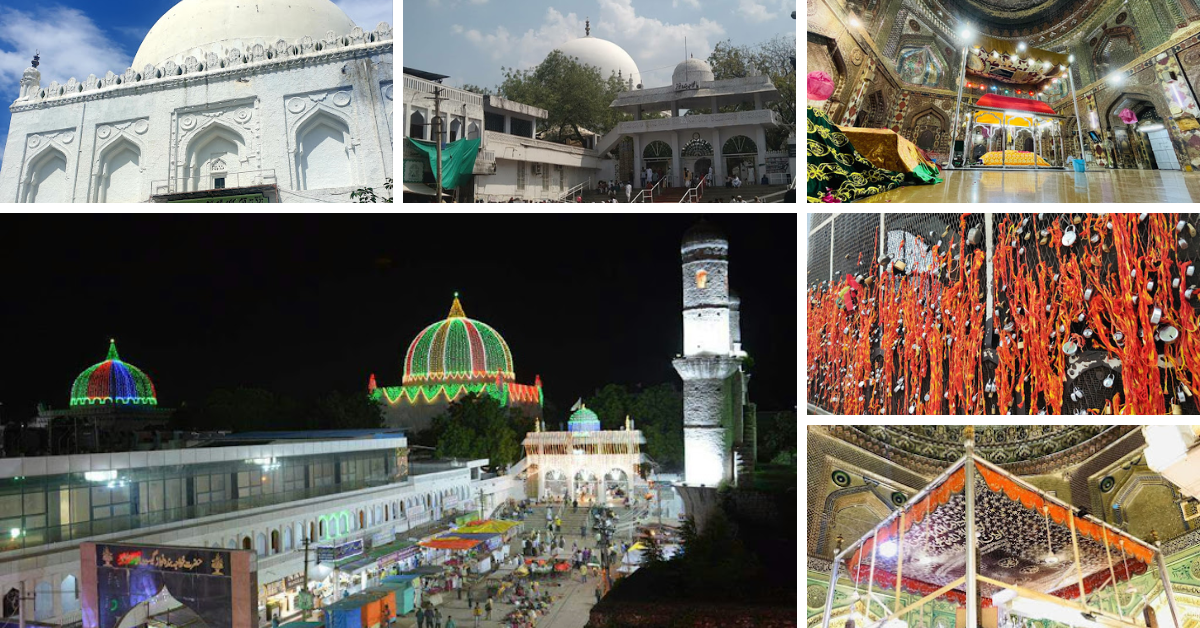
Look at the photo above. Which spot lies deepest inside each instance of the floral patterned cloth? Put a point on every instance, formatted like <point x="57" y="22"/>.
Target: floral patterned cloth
<point x="834" y="164"/>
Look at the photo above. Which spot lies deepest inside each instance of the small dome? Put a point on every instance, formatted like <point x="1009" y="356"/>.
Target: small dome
<point x="113" y="381"/>
<point x="458" y="349"/>
<point x="692" y="70"/>
<point x="196" y="27"/>
<point x="583" y="420"/>
<point x="704" y="232"/>
<point x="603" y="54"/>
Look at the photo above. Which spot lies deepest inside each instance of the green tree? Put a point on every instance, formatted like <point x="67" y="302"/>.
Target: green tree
<point x="337" y="410"/>
<point x="482" y="91"/>
<point x="367" y="195"/>
<point x="575" y="96"/>
<point x="657" y="411"/>
<point x="476" y="426"/>
<point x="653" y="554"/>
<point x="776" y="434"/>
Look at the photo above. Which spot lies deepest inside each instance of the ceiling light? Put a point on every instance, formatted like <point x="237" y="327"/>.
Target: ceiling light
<point x="1071" y="59"/>
<point x="855" y="23"/>
<point x="966" y="34"/>
<point x="1021" y="47"/>
<point x="1117" y="78"/>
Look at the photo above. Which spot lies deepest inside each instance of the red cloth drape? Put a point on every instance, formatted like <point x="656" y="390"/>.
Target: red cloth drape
<point x="1015" y="104"/>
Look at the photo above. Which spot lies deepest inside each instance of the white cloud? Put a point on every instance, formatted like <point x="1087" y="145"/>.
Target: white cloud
<point x="71" y="46"/>
<point x="457" y="29"/>
<point x="655" y="46"/>
<point x="368" y="13"/>
<point x="754" y="11"/>
<point x="695" y="4"/>
<point x="530" y="48"/>
<point x="479" y="1"/>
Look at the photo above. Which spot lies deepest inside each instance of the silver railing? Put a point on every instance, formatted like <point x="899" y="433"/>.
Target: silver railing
<point x="569" y="195"/>
<point x="647" y="196"/>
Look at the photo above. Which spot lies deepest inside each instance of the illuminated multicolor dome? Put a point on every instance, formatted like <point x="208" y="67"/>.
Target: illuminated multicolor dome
<point x="583" y="420"/>
<point x="113" y="381"/>
<point x="458" y="349"/>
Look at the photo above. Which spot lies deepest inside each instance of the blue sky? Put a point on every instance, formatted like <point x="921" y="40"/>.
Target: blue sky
<point x="470" y="39"/>
<point x="82" y="37"/>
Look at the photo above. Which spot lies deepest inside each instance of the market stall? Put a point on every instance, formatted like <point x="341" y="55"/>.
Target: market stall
<point x="1036" y="557"/>
<point x="407" y="588"/>
<point x="361" y="610"/>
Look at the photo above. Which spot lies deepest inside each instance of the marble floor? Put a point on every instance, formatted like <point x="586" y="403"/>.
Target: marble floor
<point x="1029" y="186"/>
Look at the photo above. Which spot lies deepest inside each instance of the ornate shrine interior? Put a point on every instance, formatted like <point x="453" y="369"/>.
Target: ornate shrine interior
<point x="896" y="65"/>
<point x="859" y="474"/>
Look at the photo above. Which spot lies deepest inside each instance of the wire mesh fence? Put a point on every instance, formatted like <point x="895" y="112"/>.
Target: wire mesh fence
<point x="929" y="313"/>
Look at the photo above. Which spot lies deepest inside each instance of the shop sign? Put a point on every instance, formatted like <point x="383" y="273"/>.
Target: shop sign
<point x="335" y="553"/>
<point x="304" y="601"/>
<point x="383" y="538"/>
<point x="272" y="589"/>
<point x="294" y="581"/>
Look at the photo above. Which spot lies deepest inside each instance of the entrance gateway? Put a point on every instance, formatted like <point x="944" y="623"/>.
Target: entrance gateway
<point x="120" y="580"/>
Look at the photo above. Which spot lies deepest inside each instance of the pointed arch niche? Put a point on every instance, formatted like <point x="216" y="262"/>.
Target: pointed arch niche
<point x="213" y="159"/>
<point x="324" y="152"/>
<point x="119" y="173"/>
<point x="47" y="181"/>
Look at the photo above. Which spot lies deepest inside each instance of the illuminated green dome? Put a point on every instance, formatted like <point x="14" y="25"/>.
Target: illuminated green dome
<point x="583" y="420"/>
<point x="113" y="381"/>
<point x="458" y="349"/>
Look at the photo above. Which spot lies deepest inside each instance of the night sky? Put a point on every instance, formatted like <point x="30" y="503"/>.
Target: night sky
<point x="302" y="305"/>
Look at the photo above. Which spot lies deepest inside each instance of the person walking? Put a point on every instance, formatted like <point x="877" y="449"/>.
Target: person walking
<point x="488" y="608"/>
<point x="599" y="594"/>
<point x="450" y="622"/>
<point x="420" y="618"/>
<point x="470" y="598"/>
<point x="710" y="175"/>
<point x="582" y="573"/>
<point x="582" y="530"/>
<point x="478" y="613"/>
<point x="628" y="193"/>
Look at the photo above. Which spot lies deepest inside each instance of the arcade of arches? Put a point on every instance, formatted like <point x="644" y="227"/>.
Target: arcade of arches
<point x="895" y="64"/>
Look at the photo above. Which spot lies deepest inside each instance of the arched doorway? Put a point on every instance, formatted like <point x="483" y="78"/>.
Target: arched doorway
<point x="697" y="155"/>
<point x="1145" y="143"/>
<point x="657" y="156"/>
<point x="556" y="483"/>
<point x="587" y="487"/>
<point x="12" y="602"/>
<point x="616" y="484"/>
<point x="740" y="154"/>
<point x="416" y="125"/>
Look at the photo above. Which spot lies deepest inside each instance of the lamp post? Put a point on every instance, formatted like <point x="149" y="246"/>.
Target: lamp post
<point x="1075" y="101"/>
<point x="962" y="79"/>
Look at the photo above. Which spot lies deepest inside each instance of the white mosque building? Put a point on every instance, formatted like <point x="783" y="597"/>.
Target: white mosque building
<point x="226" y="101"/>
<point x="513" y="163"/>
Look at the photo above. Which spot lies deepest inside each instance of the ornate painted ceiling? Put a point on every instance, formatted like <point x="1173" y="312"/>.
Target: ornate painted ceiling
<point x="1020" y="449"/>
<point x="1009" y="13"/>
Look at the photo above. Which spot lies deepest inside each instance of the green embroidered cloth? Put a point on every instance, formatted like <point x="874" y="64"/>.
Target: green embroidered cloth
<point x="834" y="163"/>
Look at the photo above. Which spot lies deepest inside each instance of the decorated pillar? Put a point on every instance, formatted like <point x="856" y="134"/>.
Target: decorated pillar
<point x="718" y="159"/>
<point x="896" y="116"/>
<point x="1184" y="110"/>
<point x="1092" y="123"/>
<point x="868" y="75"/>
<point x="638" y="170"/>
<point x="678" y="172"/>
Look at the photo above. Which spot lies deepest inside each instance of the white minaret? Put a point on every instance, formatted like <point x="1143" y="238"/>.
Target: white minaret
<point x="711" y="399"/>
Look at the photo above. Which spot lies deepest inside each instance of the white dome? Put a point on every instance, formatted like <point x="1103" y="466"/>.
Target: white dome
<point x="692" y="70"/>
<point x="217" y="25"/>
<point x="605" y="55"/>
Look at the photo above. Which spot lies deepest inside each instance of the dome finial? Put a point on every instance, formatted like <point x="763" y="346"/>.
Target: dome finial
<point x="112" y="349"/>
<point x="587" y="30"/>
<point x="456" y="310"/>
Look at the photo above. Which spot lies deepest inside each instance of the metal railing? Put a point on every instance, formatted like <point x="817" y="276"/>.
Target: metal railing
<point x="647" y="195"/>
<point x="204" y="183"/>
<point x="569" y="195"/>
<point x="694" y="193"/>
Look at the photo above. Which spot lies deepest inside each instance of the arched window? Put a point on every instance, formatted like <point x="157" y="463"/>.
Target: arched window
<point x="120" y="174"/>
<point x="324" y="147"/>
<point x="416" y="125"/>
<point x="247" y="543"/>
<point x="275" y="546"/>
<point x="473" y="131"/>
<point x="287" y="539"/>
<point x="260" y="544"/>
<point x="455" y="130"/>
<point x="68" y="592"/>
<point x="43" y="602"/>
<point x="214" y="159"/>
<point x="702" y="279"/>
<point x="657" y="150"/>
<point x="322" y="529"/>
<point x="739" y="145"/>
<point x="47" y="181"/>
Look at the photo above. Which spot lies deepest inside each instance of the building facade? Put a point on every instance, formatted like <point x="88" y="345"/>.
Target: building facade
<point x="264" y="492"/>
<point x="584" y="463"/>
<point x="451" y="358"/>
<point x="290" y="103"/>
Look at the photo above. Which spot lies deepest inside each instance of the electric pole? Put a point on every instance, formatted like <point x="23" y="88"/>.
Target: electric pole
<point x="305" y="585"/>
<point x="437" y="135"/>
<point x="481" y="503"/>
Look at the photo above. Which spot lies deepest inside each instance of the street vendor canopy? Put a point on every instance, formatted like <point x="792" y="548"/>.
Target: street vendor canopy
<point x="487" y="525"/>
<point x="458" y="160"/>
<point x="451" y="543"/>
<point x="1024" y="537"/>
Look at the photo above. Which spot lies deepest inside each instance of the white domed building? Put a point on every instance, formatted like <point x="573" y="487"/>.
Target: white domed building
<point x="226" y="101"/>
<point x="608" y="57"/>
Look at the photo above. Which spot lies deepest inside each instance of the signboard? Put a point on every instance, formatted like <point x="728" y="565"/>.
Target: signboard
<point x="336" y="553"/>
<point x="283" y="585"/>
<point x="683" y="86"/>
<point x="383" y="538"/>
<point x="242" y="198"/>
<point x="304" y="601"/>
<point x="414" y="170"/>
<point x="116" y="578"/>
